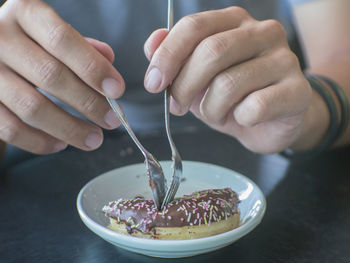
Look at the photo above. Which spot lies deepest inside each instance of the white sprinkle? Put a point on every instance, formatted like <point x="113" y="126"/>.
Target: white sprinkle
<point x="189" y="217"/>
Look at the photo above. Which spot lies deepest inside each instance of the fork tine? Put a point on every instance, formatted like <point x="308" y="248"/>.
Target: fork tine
<point x="170" y="194"/>
<point x="157" y="180"/>
<point x="175" y="183"/>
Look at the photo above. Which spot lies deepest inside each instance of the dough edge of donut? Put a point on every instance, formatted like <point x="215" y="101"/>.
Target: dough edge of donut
<point x="180" y="233"/>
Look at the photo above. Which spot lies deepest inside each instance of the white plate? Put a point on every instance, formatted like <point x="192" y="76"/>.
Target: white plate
<point x="131" y="181"/>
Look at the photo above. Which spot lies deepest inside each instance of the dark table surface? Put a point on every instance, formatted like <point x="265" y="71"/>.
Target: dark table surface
<point x="307" y="217"/>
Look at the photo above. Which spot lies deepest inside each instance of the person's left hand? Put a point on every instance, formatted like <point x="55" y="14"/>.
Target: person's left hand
<point x="233" y="72"/>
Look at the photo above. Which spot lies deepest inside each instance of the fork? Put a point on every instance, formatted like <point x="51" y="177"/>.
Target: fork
<point x="175" y="156"/>
<point x="155" y="174"/>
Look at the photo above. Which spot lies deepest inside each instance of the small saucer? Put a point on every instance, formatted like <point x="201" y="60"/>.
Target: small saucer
<point x="130" y="181"/>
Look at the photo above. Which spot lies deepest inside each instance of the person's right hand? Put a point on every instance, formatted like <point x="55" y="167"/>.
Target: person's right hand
<point x="39" y="49"/>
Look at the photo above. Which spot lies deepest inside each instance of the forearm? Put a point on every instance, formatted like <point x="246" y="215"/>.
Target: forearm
<point x="328" y="54"/>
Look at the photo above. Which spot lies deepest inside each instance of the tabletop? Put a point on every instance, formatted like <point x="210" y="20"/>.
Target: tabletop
<point x="307" y="217"/>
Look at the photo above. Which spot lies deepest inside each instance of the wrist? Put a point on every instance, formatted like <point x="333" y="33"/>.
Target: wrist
<point x="338" y="117"/>
<point x="315" y="125"/>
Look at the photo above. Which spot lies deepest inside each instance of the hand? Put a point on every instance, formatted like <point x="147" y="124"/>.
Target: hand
<point x="233" y="72"/>
<point x="39" y="49"/>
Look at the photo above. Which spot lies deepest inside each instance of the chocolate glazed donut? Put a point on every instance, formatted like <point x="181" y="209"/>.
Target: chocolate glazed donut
<point x="203" y="213"/>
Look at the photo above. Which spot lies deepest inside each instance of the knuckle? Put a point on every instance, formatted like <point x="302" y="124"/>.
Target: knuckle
<point x="192" y="23"/>
<point x="49" y="73"/>
<point x="10" y="131"/>
<point x="70" y="133"/>
<point x="212" y="48"/>
<point x="167" y="52"/>
<point x="252" y="109"/>
<point x="89" y="104"/>
<point x="286" y="58"/>
<point x="225" y="84"/>
<point x="27" y="107"/>
<point x="273" y="26"/>
<point x="57" y="35"/>
<point x="256" y="106"/>
<point x="239" y="12"/>
<point x="91" y="69"/>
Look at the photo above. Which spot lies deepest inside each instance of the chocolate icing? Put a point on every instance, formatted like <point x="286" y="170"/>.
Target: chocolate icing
<point x="202" y="207"/>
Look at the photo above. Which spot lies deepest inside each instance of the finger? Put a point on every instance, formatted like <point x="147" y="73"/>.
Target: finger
<point x="232" y="85"/>
<point x="44" y="71"/>
<point x="21" y="135"/>
<point x="282" y="100"/>
<point x="153" y="42"/>
<point x="32" y="107"/>
<point x="43" y="25"/>
<point x="102" y="47"/>
<point x="183" y="39"/>
<point x="221" y="51"/>
<point x="195" y="106"/>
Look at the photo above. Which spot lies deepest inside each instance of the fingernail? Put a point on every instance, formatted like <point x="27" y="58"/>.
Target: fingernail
<point x="153" y="80"/>
<point x="111" y="87"/>
<point x="93" y="140"/>
<point x="111" y="119"/>
<point x="59" y="146"/>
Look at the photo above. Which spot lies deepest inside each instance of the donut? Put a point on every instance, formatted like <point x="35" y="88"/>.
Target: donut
<point x="201" y="214"/>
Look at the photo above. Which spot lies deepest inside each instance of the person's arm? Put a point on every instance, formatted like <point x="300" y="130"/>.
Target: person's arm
<point x="323" y="27"/>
